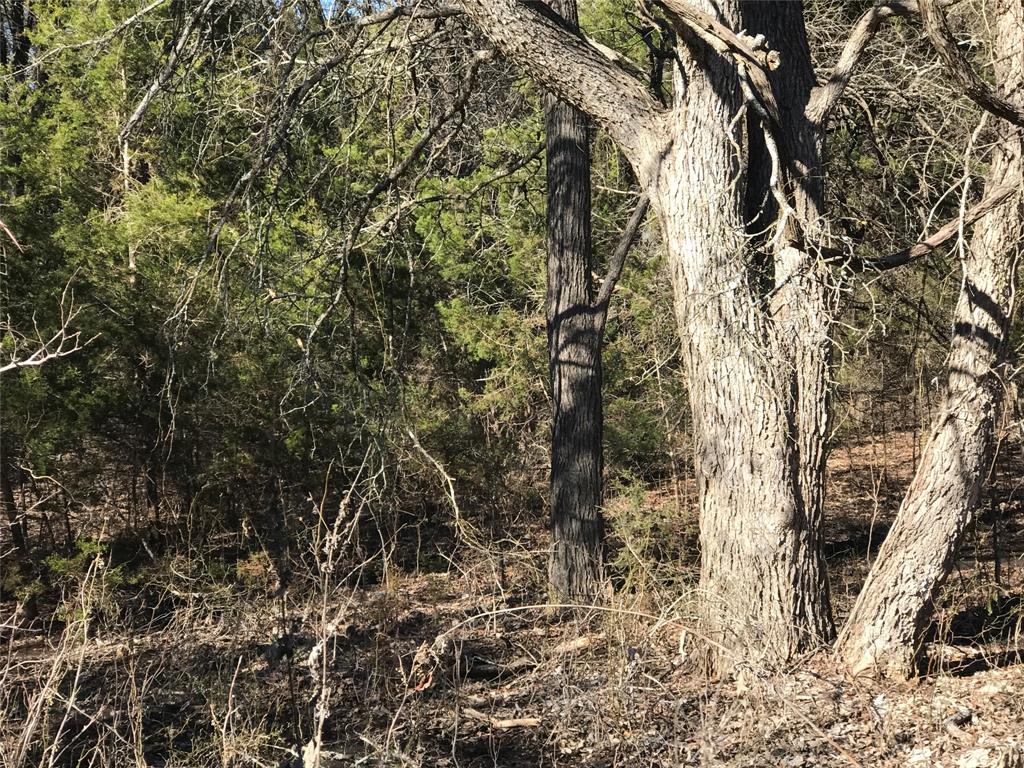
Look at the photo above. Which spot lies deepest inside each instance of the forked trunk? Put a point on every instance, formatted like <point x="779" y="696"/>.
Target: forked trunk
<point x="762" y="574"/>
<point x="803" y="293"/>
<point x="886" y="628"/>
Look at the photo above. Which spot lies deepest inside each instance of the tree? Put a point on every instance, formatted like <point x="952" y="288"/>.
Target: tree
<point x="576" y="317"/>
<point x="754" y="309"/>
<point x="577" y="535"/>
<point x="762" y="571"/>
<point x="887" y="626"/>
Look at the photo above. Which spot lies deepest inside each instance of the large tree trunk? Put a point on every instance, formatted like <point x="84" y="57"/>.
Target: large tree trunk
<point x="762" y="580"/>
<point x="761" y="568"/>
<point x="886" y="628"/>
<point x="574" y="349"/>
<point x="804" y="292"/>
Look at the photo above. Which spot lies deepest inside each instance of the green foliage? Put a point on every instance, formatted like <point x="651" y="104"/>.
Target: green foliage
<point x="75" y="566"/>
<point x="653" y="544"/>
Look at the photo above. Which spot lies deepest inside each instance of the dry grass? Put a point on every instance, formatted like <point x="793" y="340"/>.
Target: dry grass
<point x="461" y="668"/>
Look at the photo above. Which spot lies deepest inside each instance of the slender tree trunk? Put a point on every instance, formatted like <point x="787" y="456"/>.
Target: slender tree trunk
<point x="886" y="628"/>
<point x="574" y="350"/>
<point x="14" y="521"/>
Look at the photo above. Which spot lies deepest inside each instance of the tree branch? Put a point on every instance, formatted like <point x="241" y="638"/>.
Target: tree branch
<point x="574" y="70"/>
<point x="618" y="258"/>
<point x="728" y="43"/>
<point x="919" y="250"/>
<point x="170" y="67"/>
<point x="103" y="39"/>
<point x="404" y="12"/>
<point x="448" y="11"/>
<point x="6" y="230"/>
<point x="825" y="97"/>
<point x="936" y="26"/>
<point x="61" y="343"/>
<point x="388" y="181"/>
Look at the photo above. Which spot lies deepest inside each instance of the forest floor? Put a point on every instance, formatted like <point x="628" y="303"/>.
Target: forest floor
<point x="465" y="666"/>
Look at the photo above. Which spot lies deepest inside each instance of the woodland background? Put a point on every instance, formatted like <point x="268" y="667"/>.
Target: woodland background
<point x="304" y="413"/>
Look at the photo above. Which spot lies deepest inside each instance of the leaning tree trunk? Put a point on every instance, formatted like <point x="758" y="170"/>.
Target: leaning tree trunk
<point x="761" y="569"/>
<point x="574" y="350"/>
<point x="885" y="631"/>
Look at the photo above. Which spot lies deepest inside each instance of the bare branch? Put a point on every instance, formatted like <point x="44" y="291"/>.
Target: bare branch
<point x="170" y="67"/>
<point x="103" y="39"/>
<point x="110" y="35"/>
<point x="936" y="26"/>
<point x="919" y="250"/>
<point x="825" y="97"/>
<point x="618" y="257"/>
<point x="443" y="12"/>
<point x="576" y="71"/>
<point x="10" y="234"/>
<point x="719" y="36"/>
<point x="60" y="343"/>
<point x="403" y="12"/>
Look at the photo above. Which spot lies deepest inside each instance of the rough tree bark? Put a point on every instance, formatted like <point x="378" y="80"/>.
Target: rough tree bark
<point x="761" y="574"/>
<point x="803" y="291"/>
<point x="745" y="460"/>
<point x="886" y="628"/>
<point x="574" y="352"/>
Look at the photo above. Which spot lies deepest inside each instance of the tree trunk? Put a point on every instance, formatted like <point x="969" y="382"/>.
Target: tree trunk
<point x="803" y="292"/>
<point x="761" y="568"/>
<point x="16" y="524"/>
<point x="886" y="628"/>
<point x="761" y="571"/>
<point x="574" y="350"/>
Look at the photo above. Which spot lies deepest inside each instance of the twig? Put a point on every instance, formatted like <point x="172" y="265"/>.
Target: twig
<point x="618" y="257"/>
<point x="494" y="722"/>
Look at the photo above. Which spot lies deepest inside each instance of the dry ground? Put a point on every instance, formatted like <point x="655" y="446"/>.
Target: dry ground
<point x="461" y="667"/>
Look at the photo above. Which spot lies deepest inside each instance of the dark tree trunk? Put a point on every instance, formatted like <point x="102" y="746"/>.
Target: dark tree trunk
<point x="574" y="350"/>
<point x="14" y="521"/>
<point x="14" y="28"/>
